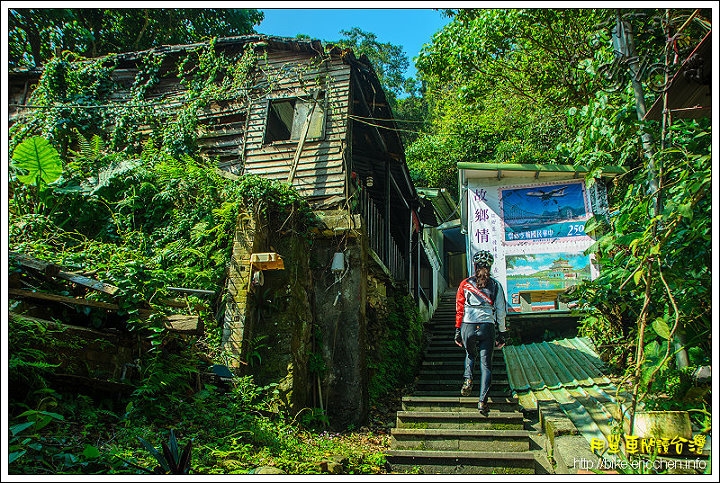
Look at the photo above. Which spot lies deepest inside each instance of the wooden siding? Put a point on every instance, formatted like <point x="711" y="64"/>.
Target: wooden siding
<point x="320" y="170"/>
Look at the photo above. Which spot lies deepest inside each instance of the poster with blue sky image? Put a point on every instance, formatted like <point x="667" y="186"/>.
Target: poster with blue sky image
<point x="544" y="212"/>
<point x="544" y="271"/>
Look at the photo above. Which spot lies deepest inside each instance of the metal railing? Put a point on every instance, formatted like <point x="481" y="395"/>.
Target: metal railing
<point x="384" y="246"/>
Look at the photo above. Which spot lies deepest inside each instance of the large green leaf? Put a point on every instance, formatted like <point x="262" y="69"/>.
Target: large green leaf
<point x="38" y="159"/>
<point x="661" y="328"/>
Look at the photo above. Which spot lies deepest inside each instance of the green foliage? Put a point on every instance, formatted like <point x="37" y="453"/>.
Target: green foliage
<point x="530" y="53"/>
<point x="400" y="348"/>
<point x="38" y="160"/>
<point x="171" y="461"/>
<point x="270" y="199"/>
<point x="655" y="270"/>
<point x="497" y="84"/>
<point x="73" y="97"/>
<point x="35" y="34"/>
<point x="35" y="164"/>
<point x="28" y="363"/>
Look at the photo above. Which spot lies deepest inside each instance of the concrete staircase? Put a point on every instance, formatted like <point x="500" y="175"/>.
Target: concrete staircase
<point x="440" y="432"/>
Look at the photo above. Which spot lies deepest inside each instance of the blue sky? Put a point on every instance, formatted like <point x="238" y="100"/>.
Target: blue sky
<point x="409" y="28"/>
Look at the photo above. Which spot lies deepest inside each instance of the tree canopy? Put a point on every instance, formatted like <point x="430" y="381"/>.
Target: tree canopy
<point x="37" y="34"/>
<point x="550" y="86"/>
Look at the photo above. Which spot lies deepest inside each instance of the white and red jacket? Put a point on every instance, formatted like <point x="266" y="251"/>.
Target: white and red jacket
<point x="474" y="305"/>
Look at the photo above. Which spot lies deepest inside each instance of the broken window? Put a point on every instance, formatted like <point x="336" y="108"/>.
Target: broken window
<point x="289" y="118"/>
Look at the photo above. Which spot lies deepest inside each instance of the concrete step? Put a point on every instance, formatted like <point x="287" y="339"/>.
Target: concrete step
<point x="456" y="392"/>
<point x="434" y="384"/>
<point x="438" y="431"/>
<point x="456" y="373"/>
<point x="456" y="359"/>
<point x="459" y="420"/>
<point x="438" y="361"/>
<point x="460" y="439"/>
<point x="448" y="345"/>
<point x="461" y="462"/>
<point x="456" y="403"/>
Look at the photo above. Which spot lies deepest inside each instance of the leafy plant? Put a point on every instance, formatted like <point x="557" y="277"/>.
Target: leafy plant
<point x="171" y="461"/>
<point x="37" y="162"/>
<point x="20" y="439"/>
<point x="255" y="346"/>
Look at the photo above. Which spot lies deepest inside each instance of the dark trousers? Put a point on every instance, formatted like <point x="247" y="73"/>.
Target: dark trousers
<point x="479" y="342"/>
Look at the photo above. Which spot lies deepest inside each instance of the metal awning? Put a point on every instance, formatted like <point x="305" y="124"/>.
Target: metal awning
<point x="537" y="171"/>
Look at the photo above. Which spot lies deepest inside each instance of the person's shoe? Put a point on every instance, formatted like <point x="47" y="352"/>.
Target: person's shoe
<point x="466" y="387"/>
<point x="483" y="408"/>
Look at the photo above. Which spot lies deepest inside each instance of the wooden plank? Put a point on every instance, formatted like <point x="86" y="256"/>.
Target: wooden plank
<point x="194" y="291"/>
<point x="71" y="300"/>
<point x="52" y="270"/>
<point x="49" y="269"/>
<point x="176" y="322"/>
<point x="63" y="299"/>
<point x="89" y="282"/>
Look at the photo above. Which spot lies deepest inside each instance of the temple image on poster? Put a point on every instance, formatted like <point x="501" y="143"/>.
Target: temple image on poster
<point x="543" y="276"/>
<point x="544" y="212"/>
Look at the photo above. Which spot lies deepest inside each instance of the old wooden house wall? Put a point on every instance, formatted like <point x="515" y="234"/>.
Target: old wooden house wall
<point x="320" y="170"/>
<point x="232" y="133"/>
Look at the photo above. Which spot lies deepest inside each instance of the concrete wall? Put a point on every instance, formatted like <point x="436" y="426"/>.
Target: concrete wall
<point x="340" y="309"/>
<point x="304" y="329"/>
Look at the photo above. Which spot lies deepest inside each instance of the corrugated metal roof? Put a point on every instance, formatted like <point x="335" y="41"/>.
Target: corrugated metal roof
<point x="569" y="372"/>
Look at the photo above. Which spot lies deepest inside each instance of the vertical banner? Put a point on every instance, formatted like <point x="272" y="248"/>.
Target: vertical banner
<point x="485" y="226"/>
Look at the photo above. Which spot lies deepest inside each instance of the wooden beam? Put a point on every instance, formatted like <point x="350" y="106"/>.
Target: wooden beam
<point x="193" y="291"/>
<point x="89" y="282"/>
<point x="71" y="300"/>
<point x="52" y="270"/>
<point x="49" y="269"/>
<point x="301" y="143"/>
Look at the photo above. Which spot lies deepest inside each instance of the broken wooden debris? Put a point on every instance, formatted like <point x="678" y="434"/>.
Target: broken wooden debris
<point x="48" y="269"/>
<point x="186" y="324"/>
<point x="180" y="323"/>
<point x="176" y="323"/>
<point x="53" y="270"/>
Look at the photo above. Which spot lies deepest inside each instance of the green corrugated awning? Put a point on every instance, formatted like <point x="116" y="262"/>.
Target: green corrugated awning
<point x="500" y="170"/>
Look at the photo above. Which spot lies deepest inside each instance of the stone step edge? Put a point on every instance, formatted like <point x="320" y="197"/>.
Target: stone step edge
<point x="462" y="455"/>
<point x="449" y="393"/>
<point x="430" y="415"/>
<point x="477" y="433"/>
<point x="458" y="399"/>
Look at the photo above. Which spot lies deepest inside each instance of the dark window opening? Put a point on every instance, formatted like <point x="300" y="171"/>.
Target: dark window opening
<point x="290" y="119"/>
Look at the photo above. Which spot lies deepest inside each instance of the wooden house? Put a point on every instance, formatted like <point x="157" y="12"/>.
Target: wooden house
<point x="316" y="117"/>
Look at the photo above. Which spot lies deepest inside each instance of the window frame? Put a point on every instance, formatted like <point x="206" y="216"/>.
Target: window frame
<point x="319" y="116"/>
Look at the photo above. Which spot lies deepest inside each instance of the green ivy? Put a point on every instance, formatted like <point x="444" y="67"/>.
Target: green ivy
<point x="400" y="348"/>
